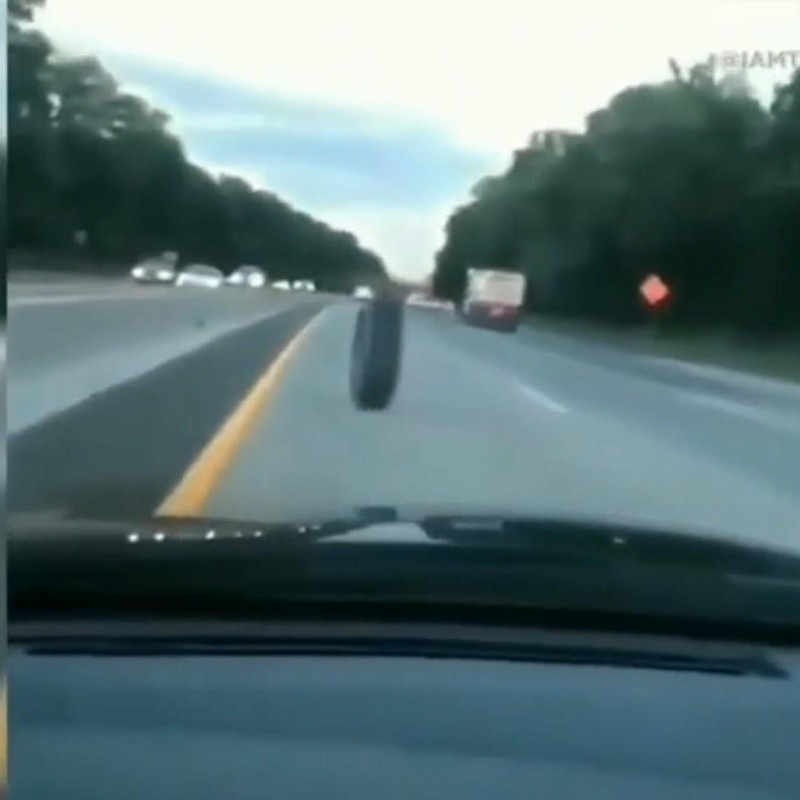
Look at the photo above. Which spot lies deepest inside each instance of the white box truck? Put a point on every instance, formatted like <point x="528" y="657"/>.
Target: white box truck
<point x="493" y="299"/>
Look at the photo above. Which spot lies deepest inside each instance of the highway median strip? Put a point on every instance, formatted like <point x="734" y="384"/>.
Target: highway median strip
<point x="191" y="496"/>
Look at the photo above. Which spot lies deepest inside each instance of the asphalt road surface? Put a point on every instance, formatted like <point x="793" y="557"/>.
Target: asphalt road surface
<point x="258" y="425"/>
<point x="73" y="337"/>
<point x="37" y="289"/>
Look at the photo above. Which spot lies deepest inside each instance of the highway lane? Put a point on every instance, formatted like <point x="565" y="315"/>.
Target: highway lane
<point x="483" y="421"/>
<point x="115" y="454"/>
<point x="70" y="339"/>
<point x="523" y="424"/>
<point x="748" y="424"/>
<point x="35" y="289"/>
<point x="725" y="384"/>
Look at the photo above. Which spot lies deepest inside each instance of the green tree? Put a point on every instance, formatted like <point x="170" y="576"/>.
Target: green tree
<point x="88" y="156"/>
<point x="691" y="178"/>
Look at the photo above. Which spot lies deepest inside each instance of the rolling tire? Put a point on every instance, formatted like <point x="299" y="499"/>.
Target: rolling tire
<point x="376" y="354"/>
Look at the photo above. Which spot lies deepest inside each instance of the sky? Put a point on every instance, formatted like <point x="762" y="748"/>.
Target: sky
<point x="380" y="116"/>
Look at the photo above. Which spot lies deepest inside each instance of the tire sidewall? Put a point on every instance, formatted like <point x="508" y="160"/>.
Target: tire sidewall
<point x="376" y="354"/>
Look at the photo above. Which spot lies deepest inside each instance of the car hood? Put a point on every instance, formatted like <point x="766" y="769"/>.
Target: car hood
<point x="377" y="557"/>
<point x="419" y="526"/>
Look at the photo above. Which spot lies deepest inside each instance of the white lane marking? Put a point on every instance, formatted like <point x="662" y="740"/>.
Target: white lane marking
<point x="539" y="397"/>
<point x="542" y="399"/>
<point x="736" y="409"/>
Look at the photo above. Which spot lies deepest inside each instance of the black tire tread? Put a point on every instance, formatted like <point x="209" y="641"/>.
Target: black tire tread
<point x="377" y="354"/>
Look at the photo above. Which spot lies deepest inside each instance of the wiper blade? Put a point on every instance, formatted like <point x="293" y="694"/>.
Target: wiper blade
<point x="614" y="543"/>
<point x="72" y="533"/>
<point x="607" y="543"/>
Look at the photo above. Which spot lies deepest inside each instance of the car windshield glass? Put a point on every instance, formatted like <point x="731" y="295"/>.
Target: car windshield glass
<point x="488" y="260"/>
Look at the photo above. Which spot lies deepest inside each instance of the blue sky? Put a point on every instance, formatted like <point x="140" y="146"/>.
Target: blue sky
<point x="379" y="116"/>
<point x="322" y="156"/>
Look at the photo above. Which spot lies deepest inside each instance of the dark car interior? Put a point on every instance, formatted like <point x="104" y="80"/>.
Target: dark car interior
<point x="313" y="667"/>
<point x="399" y="711"/>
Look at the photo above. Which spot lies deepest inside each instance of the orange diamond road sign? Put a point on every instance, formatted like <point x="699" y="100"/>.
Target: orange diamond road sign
<point x="654" y="290"/>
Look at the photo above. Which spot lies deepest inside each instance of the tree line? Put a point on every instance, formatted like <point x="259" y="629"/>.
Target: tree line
<point x="94" y="170"/>
<point x="691" y="179"/>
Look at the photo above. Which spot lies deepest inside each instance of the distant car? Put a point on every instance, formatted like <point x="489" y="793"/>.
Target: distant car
<point x="247" y="277"/>
<point x="202" y="276"/>
<point x="160" y="270"/>
<point x="421" y="300"/>
<point x="442" y="305"/>
<point x="283" y="286"/>
<point x="363" y="293"/>
<point x="304" y="286"/>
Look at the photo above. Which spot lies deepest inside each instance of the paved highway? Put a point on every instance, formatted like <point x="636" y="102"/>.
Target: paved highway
<point x="258" y="424"/>
<point x="72" y="337"/>
<point x="28" y="288"/>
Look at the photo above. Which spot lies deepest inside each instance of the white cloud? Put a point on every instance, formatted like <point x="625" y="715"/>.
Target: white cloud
<point x="411" y="237"/>
<point x="273" y="121"/>
<point x="489" y="72"/>
<point x="225" y="122"/>
<point x="484" y="73"/>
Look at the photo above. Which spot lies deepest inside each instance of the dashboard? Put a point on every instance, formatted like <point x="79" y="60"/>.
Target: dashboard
<point x="308" y="727"/>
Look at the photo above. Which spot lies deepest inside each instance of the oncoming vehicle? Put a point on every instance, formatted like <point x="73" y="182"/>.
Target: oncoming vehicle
<point x="158" y="270"/>
<point x="304" y="286"/>
<point x="201" y="276"/>
<point x="283" y="286"/>
<point x="493" y="299"/>
<point x="248" y="277"/>
<point x="363" y="293"/>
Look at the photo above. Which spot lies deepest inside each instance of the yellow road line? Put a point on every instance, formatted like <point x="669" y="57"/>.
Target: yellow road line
<point x="194" y="491"/>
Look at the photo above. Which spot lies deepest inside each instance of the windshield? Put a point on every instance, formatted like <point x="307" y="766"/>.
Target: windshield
<point x="595" y="239"/>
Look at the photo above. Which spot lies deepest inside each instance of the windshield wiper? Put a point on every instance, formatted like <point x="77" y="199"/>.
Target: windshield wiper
<point x="537" y="539"/>
<point x="168" y="566"/>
